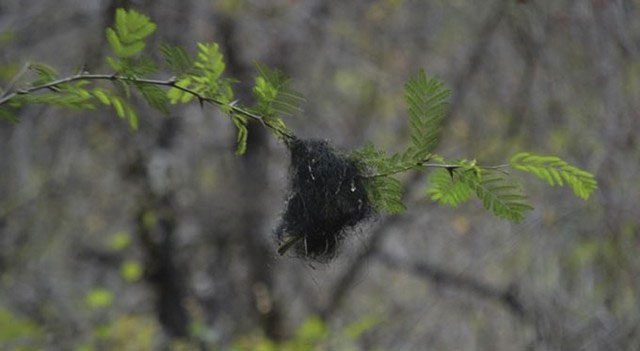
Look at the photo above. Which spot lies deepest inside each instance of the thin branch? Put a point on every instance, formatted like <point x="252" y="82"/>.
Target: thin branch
<point x="171" y="83"/>
<point x="508" y="297"/>
<point x="288" y="243"/>
<point x="416" y="165"/>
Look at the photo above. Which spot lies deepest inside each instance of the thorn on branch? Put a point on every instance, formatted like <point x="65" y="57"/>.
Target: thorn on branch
<point x="450" y="170"/>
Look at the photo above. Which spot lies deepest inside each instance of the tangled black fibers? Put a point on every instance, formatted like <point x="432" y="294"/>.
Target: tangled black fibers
<point x="327" y="199"/>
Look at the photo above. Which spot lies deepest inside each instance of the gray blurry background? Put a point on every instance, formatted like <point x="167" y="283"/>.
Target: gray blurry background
<point x="161" y="239"/>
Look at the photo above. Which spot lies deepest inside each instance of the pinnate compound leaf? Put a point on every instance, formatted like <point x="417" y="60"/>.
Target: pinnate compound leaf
<point x="555" y="171"/>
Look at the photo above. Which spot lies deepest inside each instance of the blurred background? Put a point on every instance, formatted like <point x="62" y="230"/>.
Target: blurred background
<point x="162" y="239"/>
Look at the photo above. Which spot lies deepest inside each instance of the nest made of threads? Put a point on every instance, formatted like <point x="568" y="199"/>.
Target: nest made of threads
<point x="327" y="200"/>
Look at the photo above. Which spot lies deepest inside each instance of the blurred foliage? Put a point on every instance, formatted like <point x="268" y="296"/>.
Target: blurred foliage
<point x="99" y="298"/>
<point x="120" y="241"/>
<point x="140" y="333"/>
<point x="313" y="335"/>
<point x="19" y="334"/>
<point x="131" y="271"/>
<point x="126" y="333"/>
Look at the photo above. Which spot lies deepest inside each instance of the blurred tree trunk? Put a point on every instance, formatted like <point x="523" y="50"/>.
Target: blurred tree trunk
<point x="252" y="177"/>
<point x="156" y="220"/>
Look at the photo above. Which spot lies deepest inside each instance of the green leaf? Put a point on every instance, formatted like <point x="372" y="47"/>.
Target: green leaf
<point x="497" y="193"/>
<point x="385" y="193"/>
<point x="61" y="99"/>
<point x="118" y="105"/>
<point x="377" y="162"/>
<point x="46" y="73"/>
<point x="210" y="60"/>
<point x="120" y="49"/>
<point x="372" y="159"/>
<point x="241" y="124"/>
<point x="122" y="108"/>
<point x="275" y="98"/>
<point x="155" y="96"/>
<point x="555" y="171"/>
<point x="130" y="30"/>
<point x="209" y="67"/>
<point x="176" y="95"/>
<point x="205" y="78"/>
<point x="132" y="116"/>
<point x="447" y="188"/>
<point x="102" y="96"/>
<point x="132" y="67"/>
<point x="176" y="58"/>
<point x="133" y="26"/>
<point x="427" y="100"/>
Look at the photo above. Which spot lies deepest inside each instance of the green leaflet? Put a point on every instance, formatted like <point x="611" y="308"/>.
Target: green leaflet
<point x="427" y="100"/>
<point x="377" y="161"/>
<point x="497" y="193"/>
<point x="176" y="58"/>
<point x="45" y="73"/>
<point x="275" y="99"/>
<point x="205" y="78"/>
<point x="176" y="95"/>
<point x="130" y="30"/>
<point x="555" y="171"/>
<point x="241" y="124"/>
<point x="274" y="95"/>
<point x="133" y="67"/>
<point x="386" y="194"/>
<point x="454" y="186"/>
<point x="127" y="40"/>
<point x="70" y="95"/>
<point x="123" y="109"/>
<point x="447" y="188"/>
<point x="155" y="96"/>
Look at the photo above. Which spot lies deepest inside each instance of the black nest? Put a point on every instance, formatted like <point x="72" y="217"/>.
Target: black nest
<point x="327" y="199"/>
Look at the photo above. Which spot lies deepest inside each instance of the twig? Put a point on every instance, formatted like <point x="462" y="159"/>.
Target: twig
<point x="288" y="243"/>
<point x="166" y="83"/>
<point x="431" y="165"/>
<point x="508" y="297"/>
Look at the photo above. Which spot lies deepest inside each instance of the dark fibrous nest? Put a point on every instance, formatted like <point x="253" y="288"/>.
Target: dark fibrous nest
<point x="327" y="201"/>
